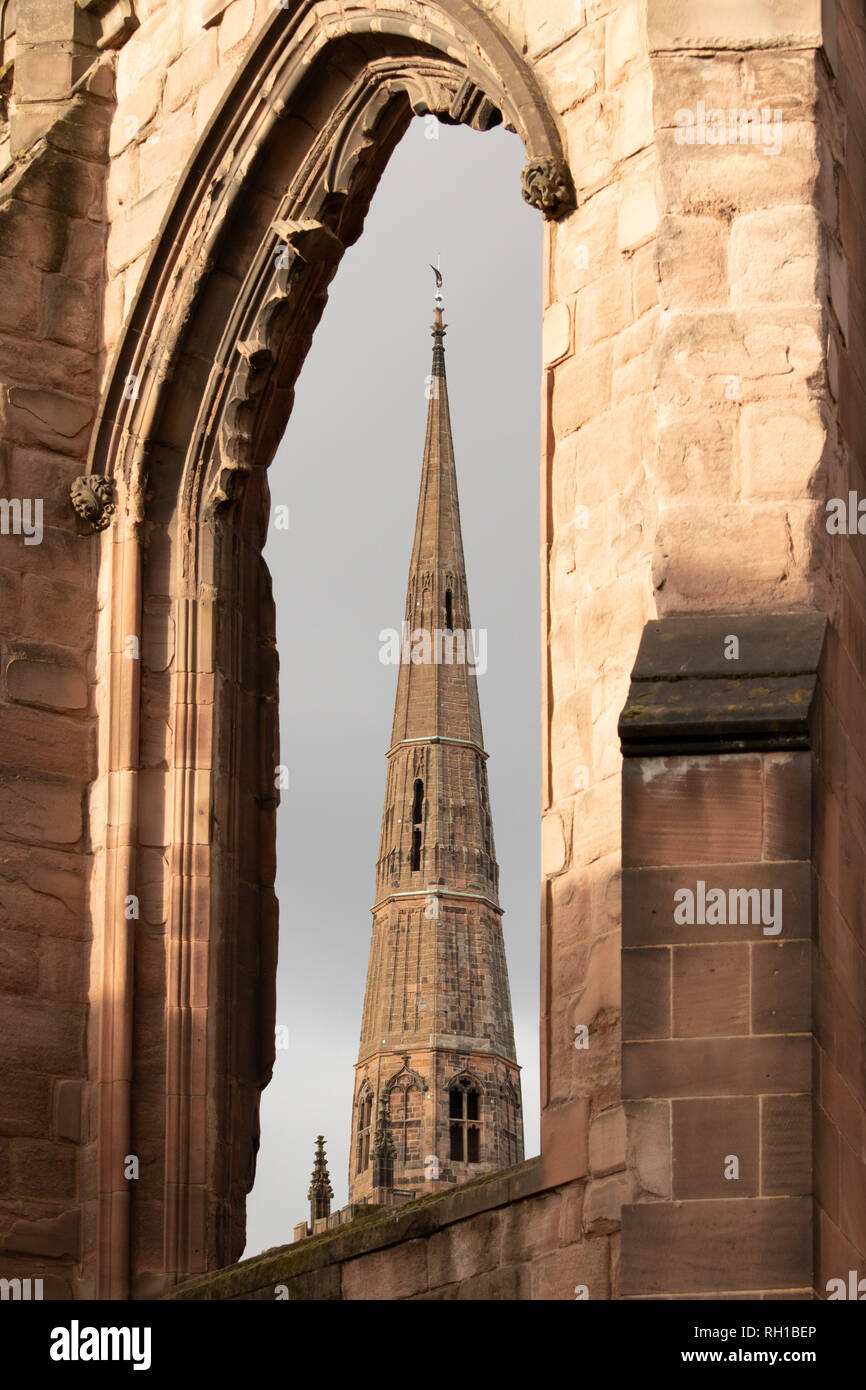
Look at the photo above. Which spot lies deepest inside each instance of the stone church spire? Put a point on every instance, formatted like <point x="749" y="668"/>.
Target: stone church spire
<point x="437" y="1043"/>
<point x="431" y="695"/>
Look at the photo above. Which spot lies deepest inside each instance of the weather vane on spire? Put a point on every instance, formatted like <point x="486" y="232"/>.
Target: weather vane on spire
<point x="437" y="298"/>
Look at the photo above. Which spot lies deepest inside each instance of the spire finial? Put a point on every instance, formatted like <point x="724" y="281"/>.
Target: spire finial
<point x="437" y="298"/>
<point x="438" y="327"/>
<point x="320" y="1192"/>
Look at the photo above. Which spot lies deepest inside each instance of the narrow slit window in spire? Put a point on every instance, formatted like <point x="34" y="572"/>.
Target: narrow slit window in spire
<point x="417" y="813"/>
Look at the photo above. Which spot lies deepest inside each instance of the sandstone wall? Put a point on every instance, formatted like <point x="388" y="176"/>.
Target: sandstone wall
<point x="840" y="832"/>
<point x="52" y="242"/>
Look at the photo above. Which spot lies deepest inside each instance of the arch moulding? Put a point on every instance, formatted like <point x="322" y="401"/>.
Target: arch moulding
<point x="197" y="399"/>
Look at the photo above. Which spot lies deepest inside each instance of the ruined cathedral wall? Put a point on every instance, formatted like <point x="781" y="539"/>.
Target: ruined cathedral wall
<point x="91" y="147"/>
<point x="840" y="827"/>
<point x="688" y="420"/>
<point x="695" y="342"/>
<point x="52" y="237"/>
<point x="172" y="73"/>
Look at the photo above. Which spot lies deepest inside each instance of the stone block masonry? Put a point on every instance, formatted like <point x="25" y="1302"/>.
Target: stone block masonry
<point x="717" y="1015"/>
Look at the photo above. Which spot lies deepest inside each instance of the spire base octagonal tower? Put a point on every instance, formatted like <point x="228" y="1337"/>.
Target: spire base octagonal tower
<point x="437" y="1040"/>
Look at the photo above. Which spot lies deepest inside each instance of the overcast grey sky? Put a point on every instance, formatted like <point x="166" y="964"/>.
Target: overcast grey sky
<point x="349" y="469"/>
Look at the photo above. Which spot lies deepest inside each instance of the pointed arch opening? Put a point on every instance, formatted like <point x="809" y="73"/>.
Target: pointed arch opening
<point x="364" y="1127"/>
<point x="221" y="323"/>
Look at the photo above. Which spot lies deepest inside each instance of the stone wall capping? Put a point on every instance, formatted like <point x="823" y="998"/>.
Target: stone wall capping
<point x="674" y="25"/>
<point x="687" y="696"/>
<point x="377" y="1228"/>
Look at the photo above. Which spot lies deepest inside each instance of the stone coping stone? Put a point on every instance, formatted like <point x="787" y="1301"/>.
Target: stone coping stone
<point x="686" y="696"/>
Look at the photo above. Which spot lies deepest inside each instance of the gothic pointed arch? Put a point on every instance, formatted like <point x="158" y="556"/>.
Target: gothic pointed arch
<point x="465" y="1116"/>
<point x="365" y="1102"/>
<point x="405" y="1096"/>
<point x="406" y="1077"/>
<point x="365" y="1105"/>
<point x="196" y="400"/>
<point x="467" y="1078"/>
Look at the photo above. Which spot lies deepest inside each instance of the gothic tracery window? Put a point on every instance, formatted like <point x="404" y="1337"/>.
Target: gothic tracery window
<point x="464" y="1111"/>
<point x="365" y="1124"/>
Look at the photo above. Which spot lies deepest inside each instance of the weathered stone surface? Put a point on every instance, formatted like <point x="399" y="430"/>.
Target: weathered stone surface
<point x="191" y="70"/>
<point x="714" y="1066"/>
<point x="465" y="1249"/>
<point x="49" y="1172"/>
<point x="691" y="24"/>
<point x="561" y="1274"/>
<point x="691" y="262"/>
<point x="25" y="1099"/>
<point x="782" y="449"/>
<point x="49" y="684"/>
<point x="70" y="313"/>
<point x="759" y="1244"/>
<point x="648" y="1146"/>
<point x="63" y="185"/>
<point x="44" y="810"/>
<point x="706" y="1135"/>
<point x="711" y="991"/>
<point x="42" y="1036"/>
<point x="236" y="24"/>
<point x="530" y="1229"/>
<point x="776" y="256"/>
<point x="603" y="1203"/>
<point x="55" y="1236"/>
<point x="549" y="21"/>
<point x="48" y="417"/>
<point x="390" y="1274"/>
<point x="67" y="1110"/>
<point x="638" y="213"/>
<point x="53" y="744"/>
<point x="553" y="852"/>
<point x="21" y="308"/>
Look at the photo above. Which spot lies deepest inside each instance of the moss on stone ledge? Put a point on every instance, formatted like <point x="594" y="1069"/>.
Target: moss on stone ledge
<point x="312" y="1265"/>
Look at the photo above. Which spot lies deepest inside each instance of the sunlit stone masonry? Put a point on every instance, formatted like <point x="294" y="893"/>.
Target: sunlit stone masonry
<point x="178" y="182"/>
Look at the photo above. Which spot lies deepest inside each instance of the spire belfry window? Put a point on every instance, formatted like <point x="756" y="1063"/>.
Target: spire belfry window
<point x="365" y="1120"/>
<point x="449" y="612"/>
<point x="417" y="816"/>
<point x="464" y="1115"/>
